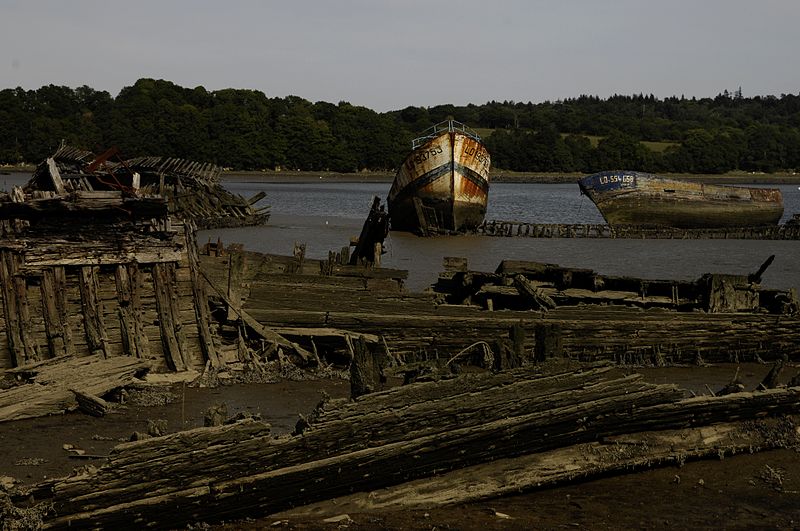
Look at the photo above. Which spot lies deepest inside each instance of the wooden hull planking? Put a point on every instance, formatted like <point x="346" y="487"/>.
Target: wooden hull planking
<point x="633" y="198"/>
<point x="443" y="184"/>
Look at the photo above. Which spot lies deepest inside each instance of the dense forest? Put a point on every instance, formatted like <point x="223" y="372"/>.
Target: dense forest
<point x="246" y="130"/>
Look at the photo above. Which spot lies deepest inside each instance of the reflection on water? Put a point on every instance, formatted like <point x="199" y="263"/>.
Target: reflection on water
<point x="325" y="217"/>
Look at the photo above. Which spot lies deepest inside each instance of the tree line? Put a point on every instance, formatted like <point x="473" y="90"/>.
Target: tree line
<point x="246" y="130"/>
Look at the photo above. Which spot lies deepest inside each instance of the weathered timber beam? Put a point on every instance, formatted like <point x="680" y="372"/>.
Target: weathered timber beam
<point x="129" y="289"/>
<point x="169" y="320"/>
<point x="10" y="311"/>
<point x="614" y="455"/>
<point x="93" y="317"/>
<point x="51" y="382"/>
<point x="213" y="486"/>
<point x="53" y="313"/>
<point x="236" y="264"/>
<point x="200" y="298"/>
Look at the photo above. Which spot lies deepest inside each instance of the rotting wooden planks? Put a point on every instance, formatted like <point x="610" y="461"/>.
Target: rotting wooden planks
<point x="50" y="384"/>
<point x="613" y="455"/>
<point x="248" y="473"/>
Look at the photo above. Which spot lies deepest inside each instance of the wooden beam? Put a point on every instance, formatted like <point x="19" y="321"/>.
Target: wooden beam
<point x="10" y="311"/>
<point x="55" y="176"/>
<point x="134" y="340"/>
<point x="169" y="320"/>
<point x="93" y="318"/>
<point x="200" y="298"/>
<point x="235" y="273"/>
<point x="53" y="314"/>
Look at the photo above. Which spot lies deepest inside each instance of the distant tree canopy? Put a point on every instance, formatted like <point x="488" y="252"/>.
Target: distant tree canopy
<point x="246" y="130"/>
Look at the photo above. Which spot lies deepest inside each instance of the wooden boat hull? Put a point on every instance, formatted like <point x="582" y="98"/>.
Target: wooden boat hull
<point x="642" y="199"/>
<point x="442" y="185"/>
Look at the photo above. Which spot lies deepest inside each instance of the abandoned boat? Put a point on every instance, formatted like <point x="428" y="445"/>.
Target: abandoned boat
<point x="643" y="199"/>
<point x="443" y="184"/>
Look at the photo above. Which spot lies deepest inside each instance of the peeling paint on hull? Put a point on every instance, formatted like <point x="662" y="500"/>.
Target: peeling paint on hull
<point x="443" y="183"/>
<point x="634" y="198"/>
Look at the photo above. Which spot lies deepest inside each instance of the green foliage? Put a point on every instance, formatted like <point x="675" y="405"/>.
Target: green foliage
<point x="246" y="130"/>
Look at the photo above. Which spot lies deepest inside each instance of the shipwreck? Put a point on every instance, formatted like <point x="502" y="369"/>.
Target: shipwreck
<point x="643" y="199"/>
<point x="443" y="184"/>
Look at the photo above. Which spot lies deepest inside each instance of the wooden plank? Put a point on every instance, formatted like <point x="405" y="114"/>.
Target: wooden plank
<point x="129" y="328"/>
<point x="200" y="299"/>
<point x="10" y="312"/>
<point x="91" y="404"/>
<point x="60" y="289"/>
<point x="170" y="325"/>
<point x="538" y="298"/>
<point x="55" y="176"/>
<point x="50" y="383"/>
<point x="580" y="462"/>
<point x="93" y="319"/>
<point x="234" y="295"/>
<point x="54" y="325"/>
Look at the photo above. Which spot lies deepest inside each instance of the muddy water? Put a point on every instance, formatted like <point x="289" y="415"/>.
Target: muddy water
<point x="325" y="216"/>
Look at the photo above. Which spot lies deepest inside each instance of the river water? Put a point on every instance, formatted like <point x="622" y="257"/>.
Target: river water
<point x="325" y="215"/>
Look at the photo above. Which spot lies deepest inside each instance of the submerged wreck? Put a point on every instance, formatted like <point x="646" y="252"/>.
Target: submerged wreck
<point x="643" y="199"/>
<point x="443" y="184"/>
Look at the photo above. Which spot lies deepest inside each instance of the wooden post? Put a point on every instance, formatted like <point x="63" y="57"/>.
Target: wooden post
<point x="93" y="320"/>
<point x="548" y="341"/>
<point x="52" y="313"/>
<point x="134" y="340"/>
<point x="11" y="314"/>
<point x="366" y="372"/>
<point x="235" y="271"/>
<point x="168" y="316"/>
<point x="200" y="299"/>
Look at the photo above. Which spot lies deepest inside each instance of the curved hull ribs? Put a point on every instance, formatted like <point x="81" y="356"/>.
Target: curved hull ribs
<point x="634" y="198"/>
<point x="442" y="185"/>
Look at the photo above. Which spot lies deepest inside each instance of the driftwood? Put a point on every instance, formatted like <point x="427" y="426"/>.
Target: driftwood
<point x="50" y="387"/>
<point x="392" y="437"/>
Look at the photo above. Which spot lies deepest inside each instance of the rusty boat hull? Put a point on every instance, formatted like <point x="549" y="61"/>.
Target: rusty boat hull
<point x="643" y="199"/>
<point x="443" y="184"/>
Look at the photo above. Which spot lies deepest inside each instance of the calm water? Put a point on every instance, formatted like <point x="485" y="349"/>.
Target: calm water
<point x="326" y="215"/>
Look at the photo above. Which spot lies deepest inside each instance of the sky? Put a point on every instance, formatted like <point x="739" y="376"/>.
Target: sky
<point x="387" y="55"/>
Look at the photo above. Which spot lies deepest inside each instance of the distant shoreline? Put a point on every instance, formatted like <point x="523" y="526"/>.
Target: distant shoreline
<point x="296" y="177"/>
<point x="290" y="177"/>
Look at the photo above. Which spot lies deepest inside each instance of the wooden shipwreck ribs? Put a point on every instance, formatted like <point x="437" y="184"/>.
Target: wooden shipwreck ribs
<point x="191" y="189"/>
<point x="94" y="266"/>
<point x="520" y="429"/>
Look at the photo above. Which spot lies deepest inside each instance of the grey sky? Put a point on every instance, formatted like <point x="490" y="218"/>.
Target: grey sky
<point x="390" y="54"/>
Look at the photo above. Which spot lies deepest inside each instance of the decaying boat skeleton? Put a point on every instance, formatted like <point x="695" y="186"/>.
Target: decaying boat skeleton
<point x="443" y="184"/>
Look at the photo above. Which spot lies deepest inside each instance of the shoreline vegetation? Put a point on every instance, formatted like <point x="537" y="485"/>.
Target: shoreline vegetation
<point x="498" y="176"/>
